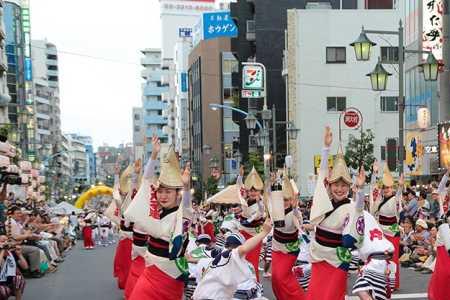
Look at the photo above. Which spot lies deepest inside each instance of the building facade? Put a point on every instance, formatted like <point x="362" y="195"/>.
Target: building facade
<point x="153" y="91"/>
<point x="46" y="96"/>
<point x="21" y="109"/>
<point x="4" y="94"/>
<point x="213" y="131"/>
<point x="324" y="79"/>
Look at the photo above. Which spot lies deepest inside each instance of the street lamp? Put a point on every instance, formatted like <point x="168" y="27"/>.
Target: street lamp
<point x="362" y="47"/>
<point x="250" y="121"/>
<point x="430" y="68"/>
<point x="379" y="77"/>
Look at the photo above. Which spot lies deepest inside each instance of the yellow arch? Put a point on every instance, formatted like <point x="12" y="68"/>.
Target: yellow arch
<point x="91" y="193"/>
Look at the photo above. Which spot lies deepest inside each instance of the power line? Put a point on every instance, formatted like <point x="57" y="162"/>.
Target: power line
<point x="91" y="56"/>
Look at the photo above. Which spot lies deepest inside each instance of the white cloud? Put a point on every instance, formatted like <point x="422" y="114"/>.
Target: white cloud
<point x="97" y="95"/>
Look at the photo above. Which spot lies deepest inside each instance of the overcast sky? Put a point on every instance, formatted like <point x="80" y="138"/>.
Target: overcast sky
<point x="97" y="95"/>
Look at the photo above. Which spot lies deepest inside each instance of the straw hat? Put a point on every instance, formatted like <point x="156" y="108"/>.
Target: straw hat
<point x="254" y="181"/>
<point x="170" y="171"/>
<point x="422" y="223"/>
<point x="124" y="181"/>
<point x="388" y="181"/>
<point x="287" y="188"/>
<point x="340" y="170"/>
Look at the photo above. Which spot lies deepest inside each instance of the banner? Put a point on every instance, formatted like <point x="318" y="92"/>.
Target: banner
<point x="444" y="144"/>
<point x="414" y="153"/>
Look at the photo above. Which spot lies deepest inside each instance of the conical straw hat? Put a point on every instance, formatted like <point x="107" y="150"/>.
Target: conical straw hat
<point x="170" y="171"/>
<point x="253" y="180"/>
<point x="288" y="190"/>
<point x="124" y="181"/>
<point x="340" y="170"/>
<point x="388" y="181"/>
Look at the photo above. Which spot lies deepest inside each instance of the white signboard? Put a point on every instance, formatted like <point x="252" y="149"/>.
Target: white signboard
<point x="432" y="37"/>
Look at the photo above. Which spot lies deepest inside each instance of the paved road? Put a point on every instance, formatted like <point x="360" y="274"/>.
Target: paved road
<point x="88" y="275"/>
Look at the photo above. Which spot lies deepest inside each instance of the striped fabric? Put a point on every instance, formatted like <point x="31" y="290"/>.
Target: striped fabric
<point x="355" y="263"/>
<point x="303" y="274"/>
<point x="374" y="283"/>
<point x="220" y="241"/>
<point x="266" y="250"/>
<point x="189" y="288"/>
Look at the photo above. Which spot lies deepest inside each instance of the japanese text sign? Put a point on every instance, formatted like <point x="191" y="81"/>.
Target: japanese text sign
<point x="218" y="24"/>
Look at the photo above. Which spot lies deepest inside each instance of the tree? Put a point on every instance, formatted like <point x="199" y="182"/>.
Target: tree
<point x="359" y="151"/>
<point x="212" y="186"/>
<point x="254" y="159"/>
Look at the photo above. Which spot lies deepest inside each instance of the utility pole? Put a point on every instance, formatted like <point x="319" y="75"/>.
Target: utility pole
<point x="444" y="83"/>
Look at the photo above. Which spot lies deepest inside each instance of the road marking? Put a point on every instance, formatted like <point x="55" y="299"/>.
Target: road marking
<point x="397" y="296"/>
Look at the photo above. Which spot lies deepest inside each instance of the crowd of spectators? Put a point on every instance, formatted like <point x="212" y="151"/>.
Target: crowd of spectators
<point x="33" y="242"/>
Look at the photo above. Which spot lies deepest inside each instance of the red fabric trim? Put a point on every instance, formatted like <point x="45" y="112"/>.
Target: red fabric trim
<point x="284" y="284"/>
<point x="439" y="287"/>
<point x="154" y="284"/>
<point x="395" y="258"/>
<point x="122" y="262"/>
<point x="327" y="282"/>
<point x="154" y="211"/>
<point x="136" y="269"/>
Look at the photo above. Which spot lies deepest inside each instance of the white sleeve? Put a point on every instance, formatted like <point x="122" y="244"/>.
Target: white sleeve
<point x="149" y="170"/>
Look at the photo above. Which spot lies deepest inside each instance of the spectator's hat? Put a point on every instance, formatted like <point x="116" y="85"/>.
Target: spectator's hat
<point x="388" y="181"/>
<point x="340" y="170"/>
<point x="234" y="239"/>
<point x="203" y="239"/>
<point x="170" y="171"/>
<point x="253" y="181"/>
<point x="422" y="223"/>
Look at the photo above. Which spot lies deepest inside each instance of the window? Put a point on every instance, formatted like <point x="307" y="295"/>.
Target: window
<point x="388" y="103"/>
<point x="336" y="103"/>
<point x="137" y="128"/>
<point x="336" y="55"/>
<point x="137" y="117"/>
<point x="389" y="54"/>
<point x="379" y="4"/>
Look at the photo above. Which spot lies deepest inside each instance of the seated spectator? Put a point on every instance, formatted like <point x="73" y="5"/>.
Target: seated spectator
<point x="12" y="282"/>
<point x="26" y="239"/>
<point x="412" y="204"/>
<point x="423" y="211"/>
<point x="421" y="243"/>
<point x="427" y="267"/>
<point x="406" y="240"/>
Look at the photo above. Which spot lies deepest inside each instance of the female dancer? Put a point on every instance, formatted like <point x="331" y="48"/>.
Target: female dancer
<point x="252" y="215"/>
<point x="386" y="208"/>
<point x="331" y="213"/>
<point x="162" y="219"/>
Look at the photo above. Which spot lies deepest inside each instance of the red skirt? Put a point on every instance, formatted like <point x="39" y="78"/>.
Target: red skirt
<point x="395" y="258"/>
<point x="154" y="284"/>
<point x="253" y="256"/>
<point x="327" y="282"/>
<point x="87" y="237"/>
<point x="439" y="287"/>
<point x="284" y="284"/>
<point x="122" y="262"/>
<point x="136" y="269"/>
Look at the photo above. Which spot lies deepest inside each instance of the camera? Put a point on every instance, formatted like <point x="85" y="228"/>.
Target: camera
<point x="10" y="178"/>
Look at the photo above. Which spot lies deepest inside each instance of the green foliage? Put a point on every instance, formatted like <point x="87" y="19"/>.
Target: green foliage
<point x="359" y="151"/>
<point x="254" y="159"/>
<point x="211" y="186"/>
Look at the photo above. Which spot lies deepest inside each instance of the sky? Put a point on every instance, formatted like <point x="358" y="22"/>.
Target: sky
<point x="99" y="43"/>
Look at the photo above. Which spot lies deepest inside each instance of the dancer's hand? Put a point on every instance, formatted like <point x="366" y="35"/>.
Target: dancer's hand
<point x="328" y="137"/>
<point x="186" y="176"/>
<point x="156" y="147"/>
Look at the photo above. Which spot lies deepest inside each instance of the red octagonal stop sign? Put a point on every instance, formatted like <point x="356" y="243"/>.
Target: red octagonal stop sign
<point x="352" y="118"/>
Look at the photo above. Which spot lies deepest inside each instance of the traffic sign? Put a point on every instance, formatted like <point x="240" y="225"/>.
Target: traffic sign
<point x="252" y="93"/>
<point x="352" y="118"/>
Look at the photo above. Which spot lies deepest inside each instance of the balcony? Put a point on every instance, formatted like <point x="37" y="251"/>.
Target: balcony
<point x="149" y="133"/>
<point x="53" y="84"/>
<point x="155" y="120"/>
<point x="52" y="72"/>
<point x="52" y="51"/>
<point x="154" y="90"/>
<point x="52" y="62"/>
<point x="42" y="116"/>
<point x="155" y="105"/>
<point x="148" y="61"/>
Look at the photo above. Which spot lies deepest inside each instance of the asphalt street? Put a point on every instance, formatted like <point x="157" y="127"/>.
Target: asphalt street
<point x="87" y="274"/>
